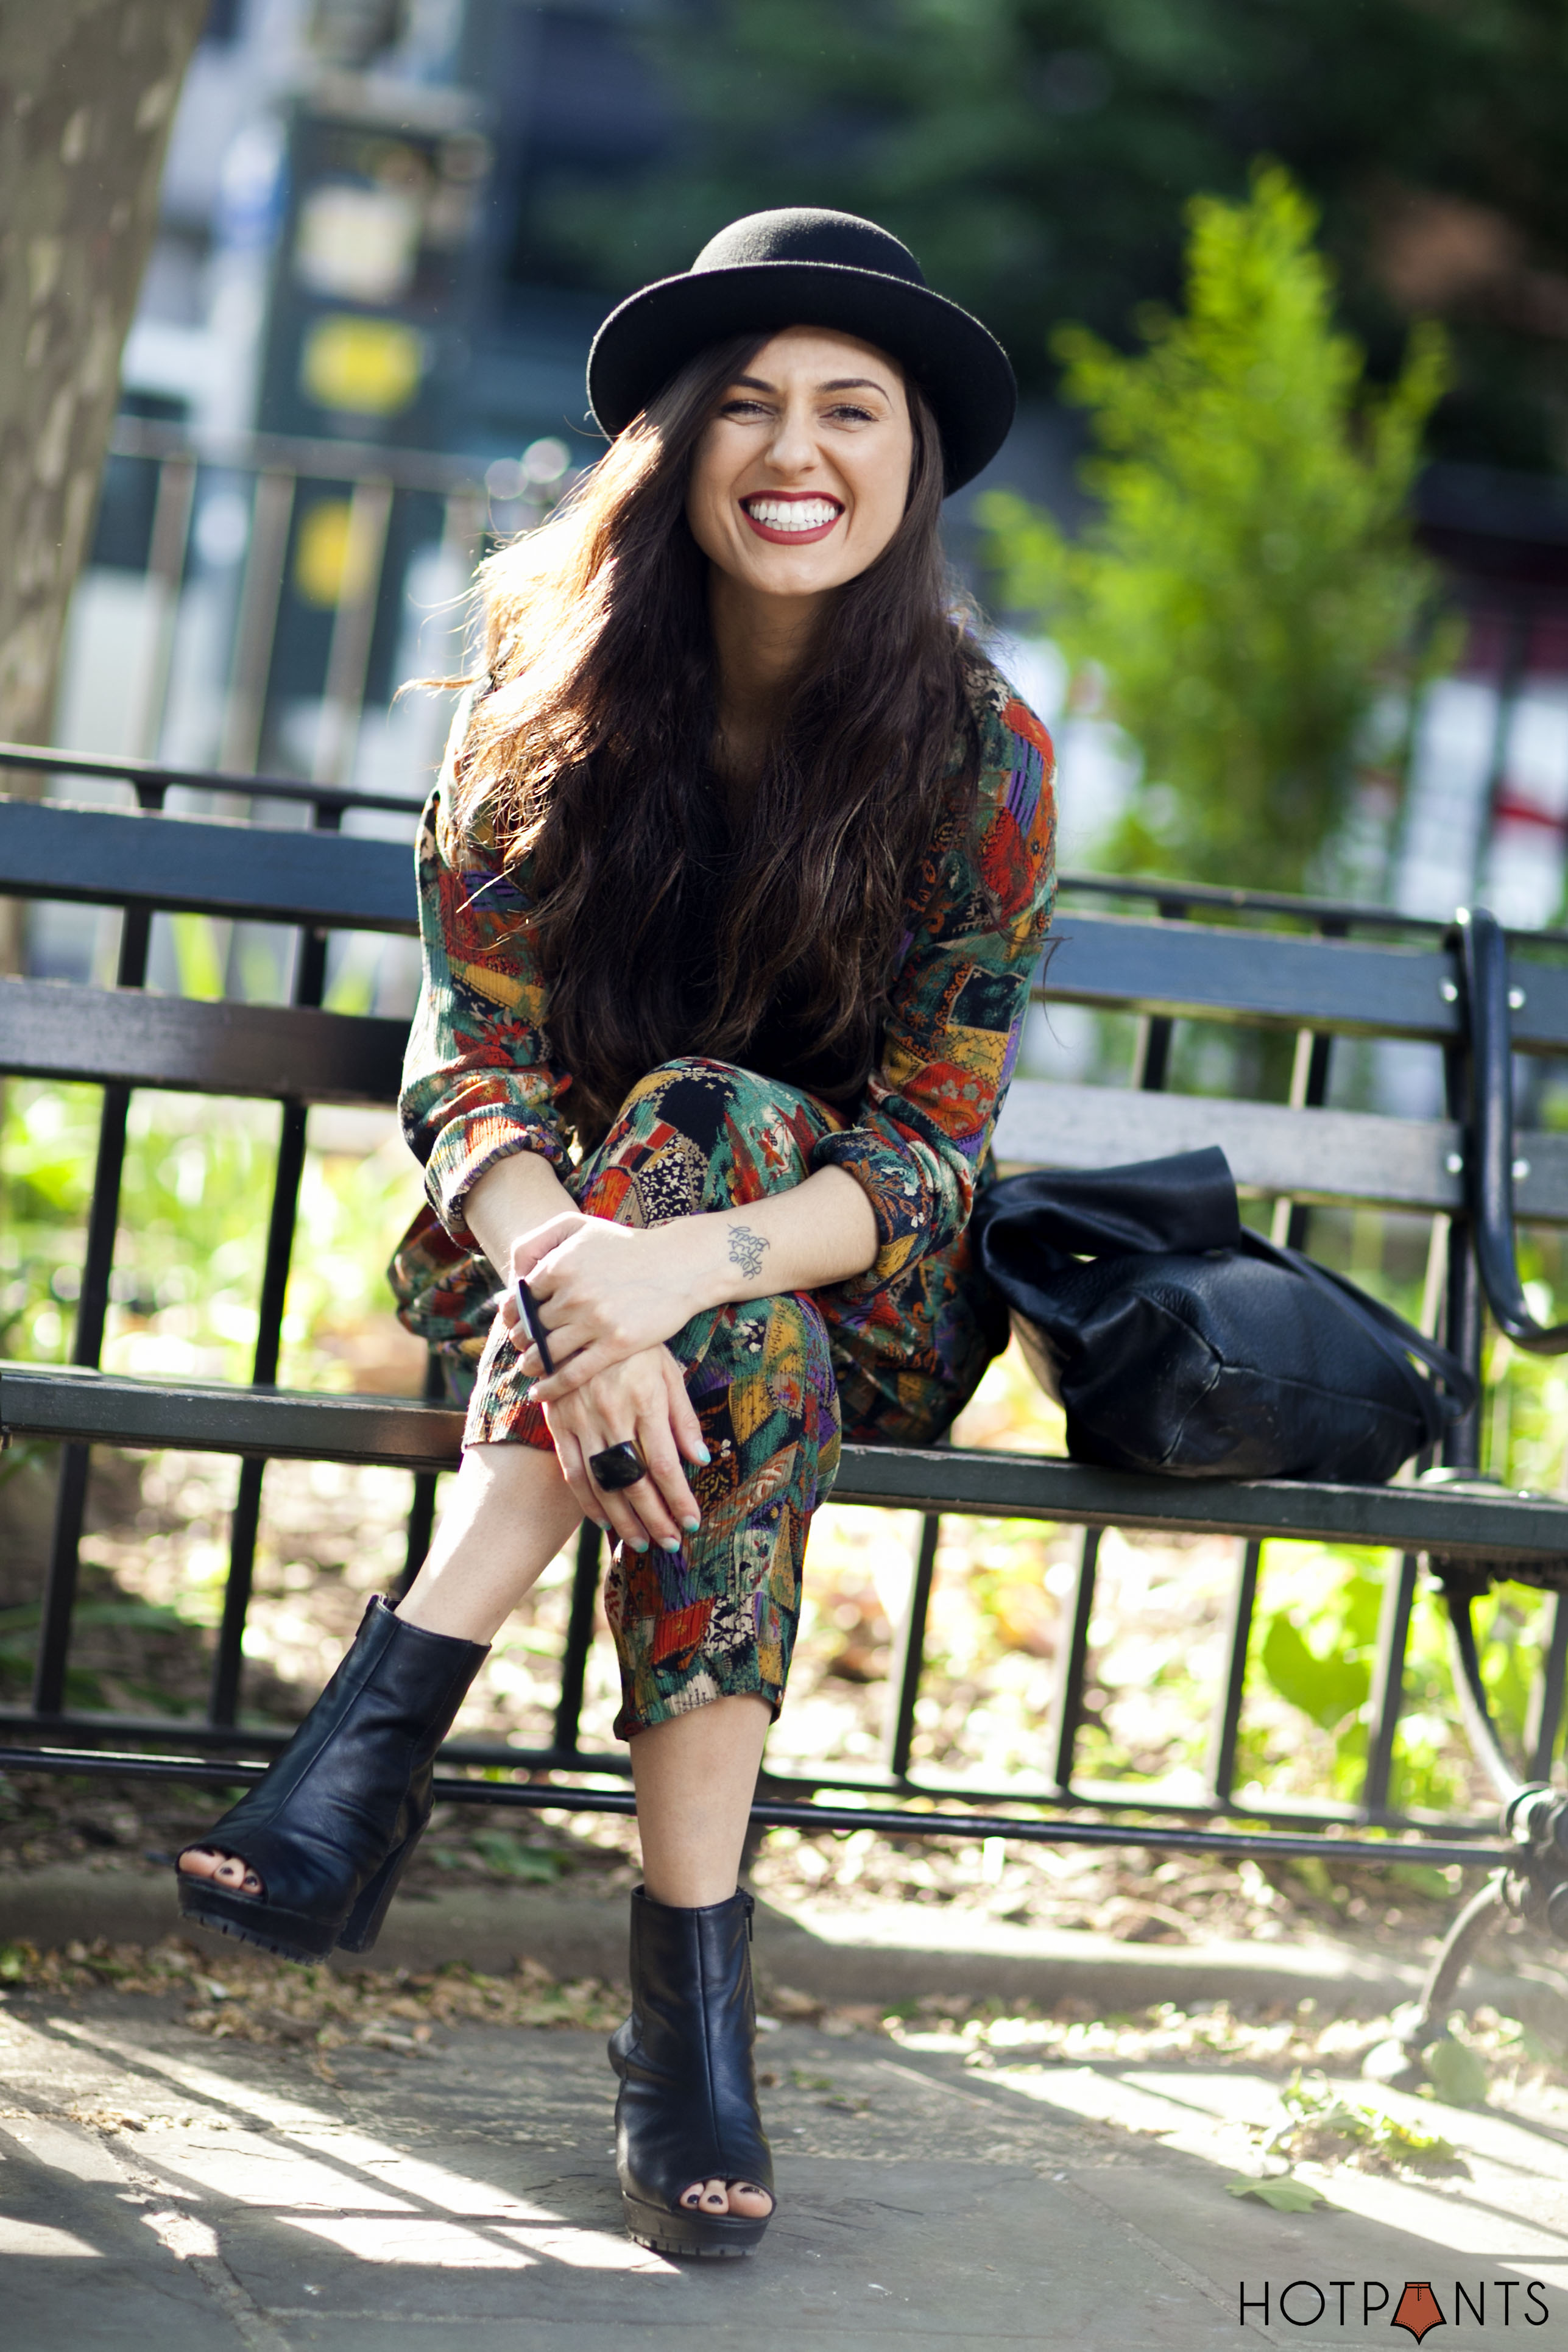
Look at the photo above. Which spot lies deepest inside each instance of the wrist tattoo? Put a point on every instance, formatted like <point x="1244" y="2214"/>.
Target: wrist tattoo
<point x="746" y="1251"/>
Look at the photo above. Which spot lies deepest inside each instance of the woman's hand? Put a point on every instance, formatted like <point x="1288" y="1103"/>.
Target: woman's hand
<point x="643" y="1398"/>
<point x="605" y="1292"/>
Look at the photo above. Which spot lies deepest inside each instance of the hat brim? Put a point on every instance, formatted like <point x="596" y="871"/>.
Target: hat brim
<point x="959" y="365"/>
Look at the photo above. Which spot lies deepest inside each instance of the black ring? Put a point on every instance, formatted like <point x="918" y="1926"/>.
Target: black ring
<point x="618" y="1467"/>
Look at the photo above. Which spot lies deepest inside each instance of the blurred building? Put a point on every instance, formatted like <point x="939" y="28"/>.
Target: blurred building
<point x="357" y="359"/>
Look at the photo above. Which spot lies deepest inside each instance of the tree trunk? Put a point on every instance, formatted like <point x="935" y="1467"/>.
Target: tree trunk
<point x="87" y="94"/>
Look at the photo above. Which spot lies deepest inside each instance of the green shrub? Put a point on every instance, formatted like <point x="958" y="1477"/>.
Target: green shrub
<point x="1250" y="591"/>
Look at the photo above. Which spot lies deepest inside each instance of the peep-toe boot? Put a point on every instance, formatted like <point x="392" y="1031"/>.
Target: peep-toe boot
<point x="330" y="1829"/>
<point x="688" y="2104"/>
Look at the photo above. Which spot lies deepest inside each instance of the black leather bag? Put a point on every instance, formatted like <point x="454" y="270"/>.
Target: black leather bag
<point x="1190" y="1346"/>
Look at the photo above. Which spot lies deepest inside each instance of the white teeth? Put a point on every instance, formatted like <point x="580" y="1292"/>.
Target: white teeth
<point x="792" y="514"/>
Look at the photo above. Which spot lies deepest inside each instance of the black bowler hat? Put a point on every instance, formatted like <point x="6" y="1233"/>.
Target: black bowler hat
<point x="802" y="268"/>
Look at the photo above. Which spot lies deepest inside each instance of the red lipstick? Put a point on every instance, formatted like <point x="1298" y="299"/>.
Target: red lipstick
<point x="779" y="535"/>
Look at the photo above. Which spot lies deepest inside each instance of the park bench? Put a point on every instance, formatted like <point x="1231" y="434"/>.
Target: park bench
<point x="1319" y="974"/>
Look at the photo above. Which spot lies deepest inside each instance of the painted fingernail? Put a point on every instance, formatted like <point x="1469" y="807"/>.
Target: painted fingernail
<point x="702" y="1455"/>
<point x="669" y="1543"/>
<point x="693" y="1524"/>
<point x="638" y="1543"/>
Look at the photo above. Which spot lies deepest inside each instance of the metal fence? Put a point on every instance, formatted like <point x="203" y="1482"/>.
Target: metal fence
<point x="295" y="564"/>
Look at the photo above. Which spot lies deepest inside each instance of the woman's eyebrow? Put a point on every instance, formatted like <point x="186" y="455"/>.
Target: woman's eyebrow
<point x="835" y="384"/>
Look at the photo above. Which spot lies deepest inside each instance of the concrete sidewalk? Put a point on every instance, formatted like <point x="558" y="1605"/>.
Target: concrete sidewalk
<point x="162" y="2193"/>
<point x="876" y="1952"/>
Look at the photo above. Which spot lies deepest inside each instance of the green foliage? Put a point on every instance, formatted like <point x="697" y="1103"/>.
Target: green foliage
<point x="1331" y="1688"/>
<point x="1316" y="1651"/>
<point x="1036" y="154"/>
<point x="1250" y="590"/>
<point x="1457" y="2073"/>
<point x="533" y="1865"/>
<point x="196" y="1198"/>
<point x="19" y="1636"/>
<point x="1320" y="2121"/>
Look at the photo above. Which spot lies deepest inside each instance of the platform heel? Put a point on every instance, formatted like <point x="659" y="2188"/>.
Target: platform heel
<point x="332" y="1829"/>
<point x="688" y="2104"/>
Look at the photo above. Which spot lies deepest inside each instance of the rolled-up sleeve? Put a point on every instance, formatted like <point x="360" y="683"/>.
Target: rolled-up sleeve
<point x="479" y="1082"/>
<point x="956" y="1015"/>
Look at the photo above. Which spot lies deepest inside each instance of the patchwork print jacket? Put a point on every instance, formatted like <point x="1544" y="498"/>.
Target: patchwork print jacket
<point x="480" y="1079"/>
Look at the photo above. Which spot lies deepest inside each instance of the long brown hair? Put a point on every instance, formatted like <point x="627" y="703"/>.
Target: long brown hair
<point x="591" y="754"/>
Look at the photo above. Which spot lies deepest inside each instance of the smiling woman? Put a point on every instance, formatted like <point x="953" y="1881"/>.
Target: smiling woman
<point x="732" y="887"/>
<point x="798" y="484"/>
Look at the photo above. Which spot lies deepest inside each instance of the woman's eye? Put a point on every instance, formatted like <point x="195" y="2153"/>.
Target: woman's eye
<point x="846" y="412"/>
<point x="743" y="409"/>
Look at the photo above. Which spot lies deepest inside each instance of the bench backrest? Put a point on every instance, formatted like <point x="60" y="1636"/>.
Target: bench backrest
<point x="1319" y="974"/>
<point x="1404" y="986"/>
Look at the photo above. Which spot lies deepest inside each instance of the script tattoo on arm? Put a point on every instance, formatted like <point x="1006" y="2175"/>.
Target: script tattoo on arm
<point x="746" y="1251"/>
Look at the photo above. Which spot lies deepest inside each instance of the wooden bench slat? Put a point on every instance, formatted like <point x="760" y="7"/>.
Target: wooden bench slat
<point x="98" y="1409"/>
<point x="52" y="1029"/>
<point x="253" y="872"/>
<point x="1325" y="1155"/>
<point x="1348" y="987"/>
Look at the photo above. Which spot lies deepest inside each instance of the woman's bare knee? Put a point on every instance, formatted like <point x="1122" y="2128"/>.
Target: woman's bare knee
<point x="508" y="1512"/>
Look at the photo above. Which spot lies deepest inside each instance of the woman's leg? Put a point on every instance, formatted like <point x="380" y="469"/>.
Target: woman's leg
<point x="694" y="1776"/>
<point x="704" y="1636"/>
<point x="510" y="1512"/>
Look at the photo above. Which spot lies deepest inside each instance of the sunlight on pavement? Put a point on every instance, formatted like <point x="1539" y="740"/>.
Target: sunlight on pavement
<point x="1221" y="2117"/>
<point x="419" y="2238"/>
<point x="348" y="2168"/>
<point x="416" y="2177"/>
<point x="594" y="2250"/>
<point x="39" y="2238"/>
<point x="257" y="2171"/>
<point x="416" y="2238"/>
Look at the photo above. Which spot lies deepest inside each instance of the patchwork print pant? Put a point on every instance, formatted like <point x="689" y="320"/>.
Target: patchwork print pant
<point x="773" y="1380"/>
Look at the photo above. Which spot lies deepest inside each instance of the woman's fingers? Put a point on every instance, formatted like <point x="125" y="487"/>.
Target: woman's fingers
<point x="683" y="1420"/>
<point x="616" y="1512"/>
<point x="634" y="1401"/>
<point x="528" y="1250"/>
<point x="575" y="1365"/>
<point x="656" y="1439"/>
<point x="569" y="1454"/>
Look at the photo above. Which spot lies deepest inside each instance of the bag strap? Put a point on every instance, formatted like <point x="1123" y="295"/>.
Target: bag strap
<point x="1488" y="1160"/>
<point x="1446" y="1397"/>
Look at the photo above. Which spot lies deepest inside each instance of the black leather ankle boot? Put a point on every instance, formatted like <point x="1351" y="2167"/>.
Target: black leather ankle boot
<point x="330" y="1829"/>
<point x="688" y="2104"/>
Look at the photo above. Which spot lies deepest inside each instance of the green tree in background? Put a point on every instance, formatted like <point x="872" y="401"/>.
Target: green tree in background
<point x="1249" y="589"/>
<point x="1036" y="154"/>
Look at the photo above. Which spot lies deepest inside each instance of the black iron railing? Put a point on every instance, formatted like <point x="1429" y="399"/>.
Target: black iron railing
<point x="1060" y="1805"/>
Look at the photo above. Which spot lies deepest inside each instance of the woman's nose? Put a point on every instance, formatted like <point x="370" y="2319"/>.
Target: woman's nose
<point x="793" y="446"/>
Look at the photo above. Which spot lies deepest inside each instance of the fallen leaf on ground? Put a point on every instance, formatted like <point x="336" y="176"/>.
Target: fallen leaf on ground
<point x="1286" y="2194"/>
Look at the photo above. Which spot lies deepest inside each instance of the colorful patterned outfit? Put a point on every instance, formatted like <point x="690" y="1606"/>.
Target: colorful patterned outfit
<point x="890" y="1355"/>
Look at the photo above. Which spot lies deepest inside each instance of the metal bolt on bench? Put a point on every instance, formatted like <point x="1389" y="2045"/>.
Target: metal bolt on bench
<point x="1318" y="971"/>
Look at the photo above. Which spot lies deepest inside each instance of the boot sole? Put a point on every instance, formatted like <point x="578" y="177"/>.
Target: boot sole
<point x="293" y="1935"/>
<point x="707" y="2236"/>
<point x="253" y="1920"/>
